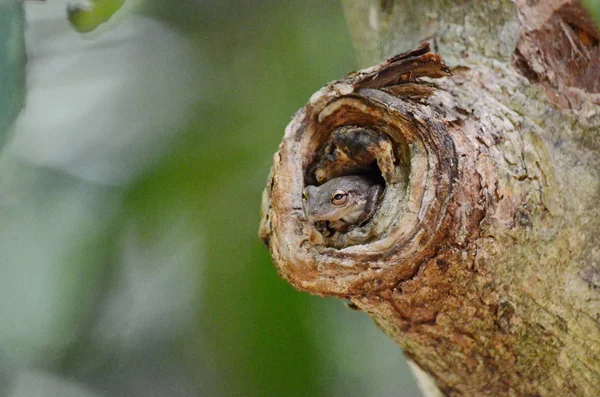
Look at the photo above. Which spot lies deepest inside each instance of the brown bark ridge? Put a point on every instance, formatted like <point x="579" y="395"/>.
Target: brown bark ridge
<point x="482" y="260"/>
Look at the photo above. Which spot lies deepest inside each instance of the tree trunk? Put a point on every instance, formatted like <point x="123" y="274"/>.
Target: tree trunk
<point x="482" y="260"/>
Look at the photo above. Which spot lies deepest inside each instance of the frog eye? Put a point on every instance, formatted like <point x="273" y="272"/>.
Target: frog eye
<point x="339" y="197"/>
<point x="304" y="195"/>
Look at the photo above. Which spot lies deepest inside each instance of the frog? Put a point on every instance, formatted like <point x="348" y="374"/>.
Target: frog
<point x="343" y="201"/>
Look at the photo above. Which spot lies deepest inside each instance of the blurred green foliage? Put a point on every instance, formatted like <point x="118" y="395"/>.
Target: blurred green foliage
<point x="593" y="9"/>
<point x="266" y="59"/>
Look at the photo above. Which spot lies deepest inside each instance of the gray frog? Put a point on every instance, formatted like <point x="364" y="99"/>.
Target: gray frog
<point x="343" y="201"/>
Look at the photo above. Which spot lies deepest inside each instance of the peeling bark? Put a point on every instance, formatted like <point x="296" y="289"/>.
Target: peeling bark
<point x="482" y="260"/>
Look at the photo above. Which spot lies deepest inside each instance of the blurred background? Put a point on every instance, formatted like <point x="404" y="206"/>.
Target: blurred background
<point x="131" y="170"/>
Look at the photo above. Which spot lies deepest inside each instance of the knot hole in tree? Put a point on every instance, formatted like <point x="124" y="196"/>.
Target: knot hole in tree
<point x="376" y="122"/>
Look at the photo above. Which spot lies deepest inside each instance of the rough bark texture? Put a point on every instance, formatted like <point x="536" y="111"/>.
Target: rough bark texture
<point x="483" y="259"/>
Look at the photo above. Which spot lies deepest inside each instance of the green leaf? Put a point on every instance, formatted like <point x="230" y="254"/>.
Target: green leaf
<point x="12" y="62"/>
<point x="85" y="20"/>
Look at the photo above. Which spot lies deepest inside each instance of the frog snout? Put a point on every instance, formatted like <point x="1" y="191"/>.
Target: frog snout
<point x="310" y="200"/>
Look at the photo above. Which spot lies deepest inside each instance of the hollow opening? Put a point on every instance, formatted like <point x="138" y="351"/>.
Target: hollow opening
<point x="374" y="152"/>
<point x="350" y="150"/>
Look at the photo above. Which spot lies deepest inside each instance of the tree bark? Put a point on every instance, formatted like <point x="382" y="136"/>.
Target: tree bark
<point x="483" y="259"/>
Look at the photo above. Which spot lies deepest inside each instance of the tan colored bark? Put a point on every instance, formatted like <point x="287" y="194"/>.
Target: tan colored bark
<point x="483" y="259"/>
